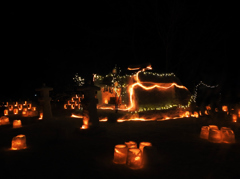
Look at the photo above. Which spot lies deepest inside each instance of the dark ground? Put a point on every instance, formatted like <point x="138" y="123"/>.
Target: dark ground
<point x="56" y="150"/>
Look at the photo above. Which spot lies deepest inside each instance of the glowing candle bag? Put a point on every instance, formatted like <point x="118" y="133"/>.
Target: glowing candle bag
<point x="204" y="132"/>
<point x="19" y="142"/>
<point x="131" y="144"/>
<point x="120" y="154"/>
<point x="144" y="144"/>
<point x="134" y="158"/>
<point x="215" y="135"/>
<point x="228" y="135"/>
<point x="17" y="123"/>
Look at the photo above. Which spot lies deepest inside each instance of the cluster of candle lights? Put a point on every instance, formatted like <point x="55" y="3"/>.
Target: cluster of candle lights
<point x="26" y="109"/>
<point x="213" y="134"/>
<point x="75" y="102"/>
<point x="129" y="154"/>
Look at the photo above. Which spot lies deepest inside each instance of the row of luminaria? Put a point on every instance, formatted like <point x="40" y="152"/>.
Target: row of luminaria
<point x="213" y="134"/>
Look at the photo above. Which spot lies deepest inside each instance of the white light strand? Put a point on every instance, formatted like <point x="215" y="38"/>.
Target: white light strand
<point x="194" y="96"/>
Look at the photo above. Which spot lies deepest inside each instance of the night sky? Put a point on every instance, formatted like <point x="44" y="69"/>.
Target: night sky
<point x="50" y="43"/>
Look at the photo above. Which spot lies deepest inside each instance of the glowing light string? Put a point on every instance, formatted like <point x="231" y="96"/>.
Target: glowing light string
<point x="153" y="85"/>
<point x="194" y="96"/>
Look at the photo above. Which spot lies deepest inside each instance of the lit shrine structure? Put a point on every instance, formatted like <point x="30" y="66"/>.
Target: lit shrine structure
<point x="141" y="90"/>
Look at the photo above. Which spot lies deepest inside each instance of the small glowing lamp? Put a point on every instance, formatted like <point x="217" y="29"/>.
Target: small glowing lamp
<point x="225" y="108"/>
<point x="5" y="112"/>
<point x="40" y="116"/>
<point x="196" y="114"/>
<point x="15" y="111"/>
<point x="16" y="104"/>
<point x="19" y="142"/>
<point x="34" y="108"/>
<point x="105" y="101"/>
<point x="120" y="154"/>
<point x="213" y="127"/>
<point x="20" y="107"/>
<point x="65" y="106"/>
<point x="4" y="120"/>
<point x="208" y="108"/>
<point x="25" y="103"/>
<point x="17" y="123"/>
<point x="144" y="144"/>
<point x="215" y="135"/>
<point x="206" y="112"/>
<point x="234" y="118"/>
<point x="204" y="132"/>
<point x="131" y="144"/>
<point x="72" y="106"/>
<point x="25" y="109"/>
<point x="84" y="126"/>
<point x="228" y="135"/>
<point x="134" y="158"/>
<point x="29" y="106"/>
<point x="10" y="107"/>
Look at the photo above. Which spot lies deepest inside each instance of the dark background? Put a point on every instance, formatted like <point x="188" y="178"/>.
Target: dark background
<point x="51" y="42"/>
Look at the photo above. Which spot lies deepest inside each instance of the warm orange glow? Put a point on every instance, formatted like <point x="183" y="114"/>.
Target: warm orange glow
<point x="135" y="119"/>
<point x="84" y="127"/>
<point x="215" y="135"/>
<point x="16" y="104"/>
<point x="19" y="142"/>
<point x="208" y="108"/>
<point x="20" y="107"/>
<point x="76" y="116"/>
<point x="65" y="106"/>
<point x="25" y="103"/>
<point x="69" y="102"/>
<point x="29" y="106"/>
<point x="144" y="144"/>
<point x="206" y="112"/>
<point x="72" y="106"/>
<point x="17" y="123"/>
<point x="15" y="111"/>
<point x="10" y="107"/>
<point x="225" y="108"/>
<point x="137" y="68"/>
<point x="5" y="112"/>
<point x="34" y="108"/>
<point x="72" y="99"/>
<point x="85" y="122"/>
<point x="25" y="109"/>
<point x="24" y="113"/>
<point x="40" y="116"/>
<point x="103" y="119"/>
<point x="120" y="154"/>
<point x="234" y="118"/>
<point x="134" y="158"/>
<point x="204" y="132"/>
<point x="147" y="86"/>
<point x="4" y="120"/>
<point x="105" y="101"/>
<point x="106" y="107"/>
<point x="131" y="144"/>
<point x="216" y="109"/>
<point x="228" y="135"/>
<point x="213" y="127"/>
<point x="195" y="114"/>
